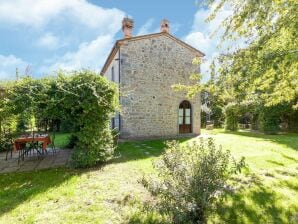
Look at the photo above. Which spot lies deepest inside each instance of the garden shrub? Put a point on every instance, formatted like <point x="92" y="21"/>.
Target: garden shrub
<point x="217" y="116"/>
<point x="268" y="123"/>
<point x="191" y="179"/>
<point x="231" y="117"/>
<point x="83" y="100"/>
<point x="270" y="118"/>
<point x="72" y="140"/>
<point x="115" y="134"/>
<point x="293" y="121"/>
<point x="213" y="105"/>
<point x="255" y="121"/>
<point x="89" y="100"/>
<point x="203" y="119"/>
<point x="5" y="141"/>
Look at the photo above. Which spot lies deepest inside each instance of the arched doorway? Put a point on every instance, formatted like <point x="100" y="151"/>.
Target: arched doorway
<point x="185" y="119"/>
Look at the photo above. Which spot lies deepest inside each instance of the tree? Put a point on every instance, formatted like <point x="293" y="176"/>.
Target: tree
<point x="267" y="67"/>
<point x="83" y="98"/>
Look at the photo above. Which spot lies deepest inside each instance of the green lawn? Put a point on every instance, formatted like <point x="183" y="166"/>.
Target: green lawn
<point x="61" y="139"/>
<point x="113" y="194"/>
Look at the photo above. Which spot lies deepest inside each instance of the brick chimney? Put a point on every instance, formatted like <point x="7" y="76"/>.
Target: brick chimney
<point x="165" y="26"/>
<point x="127" y="26"/>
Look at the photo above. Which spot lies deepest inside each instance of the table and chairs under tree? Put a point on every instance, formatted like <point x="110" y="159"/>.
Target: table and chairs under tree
<point x="22" y="129"/>
<point x="29" y="144"/>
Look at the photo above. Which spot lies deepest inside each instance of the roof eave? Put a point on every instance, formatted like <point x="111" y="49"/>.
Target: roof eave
<point x="110" y="57"/>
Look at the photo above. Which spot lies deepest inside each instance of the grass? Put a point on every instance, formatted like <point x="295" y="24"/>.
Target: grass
<point x="113" y="194"/>
<point x="270" y="197"/>
<point x="61" y="139"/>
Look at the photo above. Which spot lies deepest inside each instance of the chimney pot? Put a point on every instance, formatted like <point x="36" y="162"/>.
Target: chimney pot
<point x="165" y="26"/>
<point x="127" y="26"/>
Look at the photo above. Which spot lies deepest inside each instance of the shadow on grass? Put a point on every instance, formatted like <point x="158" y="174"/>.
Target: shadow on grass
<point x="253" y="202"/>
<point x="275" y="162"/>
<point x="290" y="140"/>
<point x="259" y="204"/>
<point x="287" y="173"/>
<point x="136" y="150"/>
<point x="16" y="188"/>
<point x="291" y="186"/>
<point x="147" y="217"/>
<point x="290" y="158"/>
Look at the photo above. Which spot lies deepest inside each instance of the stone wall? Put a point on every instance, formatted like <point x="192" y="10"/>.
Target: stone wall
<point x="149" y="67"/>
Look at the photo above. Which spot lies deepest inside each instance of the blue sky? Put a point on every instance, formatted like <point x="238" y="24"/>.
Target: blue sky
<point x="47" y="35"/>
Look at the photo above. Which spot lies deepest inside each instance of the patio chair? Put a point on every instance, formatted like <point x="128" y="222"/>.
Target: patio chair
<point x="30" y="147"/>
<point x="39" y="145"/>
<point x="35" y="145"/>
<point x="7" y="143"/>
<point x="22" y="152"/>
<point x="53" y="136"/>
<point x="9" y="148"/>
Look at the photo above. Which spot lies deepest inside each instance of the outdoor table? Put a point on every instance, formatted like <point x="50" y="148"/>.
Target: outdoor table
<point x="45" y="139"/>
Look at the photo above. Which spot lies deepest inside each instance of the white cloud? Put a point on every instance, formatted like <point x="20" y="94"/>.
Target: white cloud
<point x="200" y="35"/>
<point x="38" y="13"/>
<point x="86" y="30"/>
<point x="201" y="25"/>
<point x="89" y="55"/>
<point x="148" y="28"/>
<point x="200" y="41"/>
<point x="49" y="41"/>
<point x="8" y="65"/>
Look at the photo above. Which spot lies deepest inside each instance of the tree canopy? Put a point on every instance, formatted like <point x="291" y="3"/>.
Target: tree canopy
<point x="266" y="68"/>
<point x="84" y="99"/>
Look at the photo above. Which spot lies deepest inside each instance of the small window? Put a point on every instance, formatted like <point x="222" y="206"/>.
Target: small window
<point x="187" y="112"/>
<point x="113" y="74"/>
<point x="180" y="120"/>
<point x="187" y="120"/>
<point x="180" y="112"/>
<point x="187" y="116"/>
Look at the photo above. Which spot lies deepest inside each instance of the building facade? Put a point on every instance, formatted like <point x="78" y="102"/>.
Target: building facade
<point x="146" y="67"/>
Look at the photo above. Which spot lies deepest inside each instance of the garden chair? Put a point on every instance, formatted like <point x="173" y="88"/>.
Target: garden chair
<point x="21" y="151"/>
<point x="29" y="148"/>
<point x="9" y="148"/>
<point x="53" y="136"/>
<point x="7" y="143"/>
<point x="37" y="146"/>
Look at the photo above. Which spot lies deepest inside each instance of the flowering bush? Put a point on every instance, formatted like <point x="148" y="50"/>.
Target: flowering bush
<point x="191" y="179"/>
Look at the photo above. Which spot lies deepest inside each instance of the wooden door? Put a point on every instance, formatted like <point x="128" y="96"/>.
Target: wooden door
<point x="185" y="118"/>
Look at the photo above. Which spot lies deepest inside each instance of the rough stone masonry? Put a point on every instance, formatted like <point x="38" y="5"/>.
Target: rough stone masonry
<point x="150" y="65"/>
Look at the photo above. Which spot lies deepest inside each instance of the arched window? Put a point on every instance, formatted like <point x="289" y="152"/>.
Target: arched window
<point x="185" y="119"/>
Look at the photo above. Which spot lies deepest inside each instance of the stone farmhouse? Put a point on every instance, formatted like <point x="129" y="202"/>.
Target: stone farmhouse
<point x="146" y="67"/>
